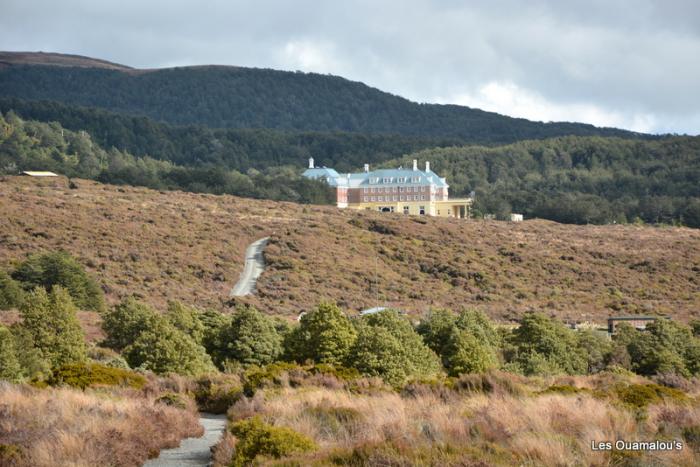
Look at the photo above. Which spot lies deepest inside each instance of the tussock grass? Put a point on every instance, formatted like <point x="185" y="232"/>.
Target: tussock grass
<point x="62" y="426"/>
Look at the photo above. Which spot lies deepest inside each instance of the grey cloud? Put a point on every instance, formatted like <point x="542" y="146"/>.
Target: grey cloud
<point x="628" y="61"/>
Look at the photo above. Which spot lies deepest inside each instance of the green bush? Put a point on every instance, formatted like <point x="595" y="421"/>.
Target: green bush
<point x="640" y="396"/>
<point x="124" y="323"/>
<point x="173" y="399"/>
<point x="51" y="320"/>
<point x="250" y="338"/>
<point x="257" y="377"/>
<point x="162" y="348"/>
<point x="466" y="353"/>
<point x="324" y="335"/>
<point x="85" y="375"/>
<point x="216" y="393"/>
<point x="11" y="294"/>
<point x="60" y="269"/>
<point x="9" y="364"/>
<point x="387" y="346"/>
<point x="186" y="319"/>
<point x="257" y="438"/>
<point x="436" y="328"/>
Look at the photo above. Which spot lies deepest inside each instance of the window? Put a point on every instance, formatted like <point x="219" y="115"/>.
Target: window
<point x="401" y="197"/>
<point x="405" y="209"/>
<point x="380" y="198"/>
<point x="395" y="198"/>
<point x="415" y="189"/>
<point x="373" y="189"/>
<point x="387" y="189"/>
<point x="422" y="188"/>
<point x="422" y="210"/>
<point x="373" y="199"/>
<point x="386" y="180"/>
<point x="365" y="199"/>
<point x="401" y="189"/>
<point x="395" y="189"/>
<point x="422" y="197"/>
<point x="365" y="189"/>
<point x="373" y="180"/>
<point x="400" y="180"/>
<point x="415" y="180"/>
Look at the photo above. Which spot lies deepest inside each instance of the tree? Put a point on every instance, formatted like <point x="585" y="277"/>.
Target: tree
<point x="10" y="292"/>
<point x="436" y="328"/>
<point x="541" y="344"/>
<point x="466" y="353"/>
<point x="214" y="323"/>
<point x="186" y="319"/>
<point x="324" y="335"/>
<point x="60" y="269"/>
<point x="478" y="324"/>
<point x="51" y="320"/>
<point x="388" y="346"/>
<point x="9" y="364"/>
<point x="596" y="347"/>
<point x="162" y="348"/>
<point x="124" y="323"/>
<point x="250" y="338"/>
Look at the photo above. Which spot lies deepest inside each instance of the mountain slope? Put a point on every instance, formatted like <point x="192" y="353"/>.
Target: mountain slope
<point x="235" y="97"/>
<point x="183" y="246"/>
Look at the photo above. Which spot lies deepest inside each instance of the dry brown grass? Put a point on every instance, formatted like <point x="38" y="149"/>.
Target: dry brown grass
<point x="189" y="247"/>
<point x="68" y="427"/>
<point x="426" y="428"/>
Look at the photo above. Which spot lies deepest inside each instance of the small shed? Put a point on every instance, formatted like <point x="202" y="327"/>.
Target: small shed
<point x="371" y="311"/>
<point x="516" y="217"/>
<point x="33" y="173"/>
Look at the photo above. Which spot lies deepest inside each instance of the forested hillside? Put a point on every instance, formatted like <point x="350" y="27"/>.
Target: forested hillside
<point x="32" y="145"/>
<point x="233" y="97"/>
<point x="237" y="149"/>
<point x="578" y="179"/>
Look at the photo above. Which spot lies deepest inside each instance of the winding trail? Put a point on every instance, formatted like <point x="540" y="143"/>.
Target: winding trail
<point x="254" y="266"/>
<point x="193" y="451"/>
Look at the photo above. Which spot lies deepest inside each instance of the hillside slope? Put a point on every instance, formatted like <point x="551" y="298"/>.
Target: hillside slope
<point x="236" y="97"/>
<point x="189" y="247"/>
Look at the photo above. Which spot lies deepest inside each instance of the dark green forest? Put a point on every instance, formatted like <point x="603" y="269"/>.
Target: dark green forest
<point x="234" y="97"/>
<point x="578" y="179"/>
<point x="32" y="145"/>
<point x="236" y="149"/>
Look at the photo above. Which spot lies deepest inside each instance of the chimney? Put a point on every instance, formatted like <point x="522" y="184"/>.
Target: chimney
<point x="311" y="162"/>
<point x="427" y="166"/>
<point x="366" y="167"/>
<point x="415" y="164"/>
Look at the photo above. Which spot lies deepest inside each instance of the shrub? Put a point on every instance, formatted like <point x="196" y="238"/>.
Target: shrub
<point x="162" y="348"/>
<point x="214" y="323"/>
<point x="51" y="320"/>
<point x="691" y="435"/>
<point x="256" y="377"/>
<point x="256" y="437"/>
<point x="387" y="346"/>
<point x="466" y="353"/>
<point x="173" y="399"/>
<point x="435" y="329"/>
<point x="11" y="294"/>
<point x="60" y="269"/>
<point x="250" y="338"/>
<point x="186" y="319"/>
<point x="541" y="346"/>
<point x="9" y="364"/>
<point x="216" y="393"/>
<point x="641" y="395"/>
<point x="84" y="375"/>
<point x="324" y="335"/>
<point x="10" y="454"/>
<point x="33" y="365"/>
<point x="124" y="323"/>
<point x="479" y="325"/>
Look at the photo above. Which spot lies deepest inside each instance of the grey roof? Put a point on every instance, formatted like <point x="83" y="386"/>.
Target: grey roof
<point x="362" y="179"/>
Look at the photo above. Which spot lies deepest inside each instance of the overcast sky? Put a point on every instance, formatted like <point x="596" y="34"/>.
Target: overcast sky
<point x="630" y="64"/>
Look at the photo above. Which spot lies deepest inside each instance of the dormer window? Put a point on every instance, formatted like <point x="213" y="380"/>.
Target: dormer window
<point x="373" y="180"/>
<point x="401" y="180"/>
<point x="415" y="179"/>
<point x="386" y="180"/>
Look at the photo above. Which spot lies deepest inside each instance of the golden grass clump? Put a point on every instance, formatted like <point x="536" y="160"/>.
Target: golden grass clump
<point x="50" y="427"/>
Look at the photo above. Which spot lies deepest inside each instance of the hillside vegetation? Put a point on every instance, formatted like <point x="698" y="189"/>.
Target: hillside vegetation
<point x="181" y="246"/>
<point x="577" y="180"/>
<point x="236" y="97"/>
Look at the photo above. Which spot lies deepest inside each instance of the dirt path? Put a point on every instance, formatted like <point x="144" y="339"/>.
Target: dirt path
<point x="193" y="451"/>
<point x="254" y="266"/>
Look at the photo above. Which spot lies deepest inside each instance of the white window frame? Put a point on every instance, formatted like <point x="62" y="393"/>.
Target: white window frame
<point x="365" y="189"/>
<point x="365" y="199"/>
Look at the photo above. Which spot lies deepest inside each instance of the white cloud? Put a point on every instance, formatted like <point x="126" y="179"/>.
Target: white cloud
<point x="311" y="56"/>
<point x="508" y="98"/>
